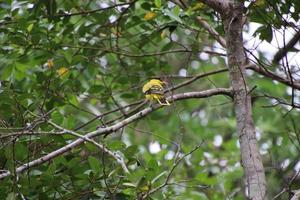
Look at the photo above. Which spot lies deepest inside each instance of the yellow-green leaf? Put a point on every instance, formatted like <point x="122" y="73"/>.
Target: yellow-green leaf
<point x="30" y="27"/>
<point x="149" y="15"/>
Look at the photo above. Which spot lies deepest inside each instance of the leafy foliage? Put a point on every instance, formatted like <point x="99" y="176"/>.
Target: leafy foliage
<point x="73" y="62"/>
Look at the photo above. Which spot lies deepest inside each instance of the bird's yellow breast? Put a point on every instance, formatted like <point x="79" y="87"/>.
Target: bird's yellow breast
<point x="152" y="97"/>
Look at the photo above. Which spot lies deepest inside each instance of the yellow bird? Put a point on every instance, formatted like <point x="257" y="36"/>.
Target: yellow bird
<point x="154" y="91"/>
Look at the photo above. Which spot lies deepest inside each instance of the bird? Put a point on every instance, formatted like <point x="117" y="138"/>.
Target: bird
<point x="154" y="91"/>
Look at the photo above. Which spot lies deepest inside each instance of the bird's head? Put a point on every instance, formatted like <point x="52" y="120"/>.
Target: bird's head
<point x="158" y="81"/>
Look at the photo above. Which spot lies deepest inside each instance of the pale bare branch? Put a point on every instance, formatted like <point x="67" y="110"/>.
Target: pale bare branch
<point x="296" y="195"/>
<point x="117" y="126"/>
<point x="114" y="155"/>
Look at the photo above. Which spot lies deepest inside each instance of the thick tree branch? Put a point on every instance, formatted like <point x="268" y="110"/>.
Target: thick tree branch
<point x="272" y="75"/>
<point x="117" y="126"/>
<point x="296" y="195"/>
<point x="283" y="51"/>
<point x="212" y="31"/>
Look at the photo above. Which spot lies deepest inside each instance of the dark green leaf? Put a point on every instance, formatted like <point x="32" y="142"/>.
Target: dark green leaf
<point x="131" y="151"/>
<point x="94" y="164"/>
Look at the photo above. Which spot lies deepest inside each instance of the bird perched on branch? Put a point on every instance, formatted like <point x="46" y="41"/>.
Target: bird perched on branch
<point x="154" y="91"/>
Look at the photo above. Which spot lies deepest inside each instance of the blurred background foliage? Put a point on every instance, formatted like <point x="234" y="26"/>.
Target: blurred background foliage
<point x="75" y="60"/>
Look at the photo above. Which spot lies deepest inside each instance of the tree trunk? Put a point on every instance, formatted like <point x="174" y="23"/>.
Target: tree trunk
<point x="251" y="160"/>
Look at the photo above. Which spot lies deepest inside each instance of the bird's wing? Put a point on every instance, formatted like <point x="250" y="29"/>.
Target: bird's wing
<point x="155" y="90"/>
<point x="147" y="87"/>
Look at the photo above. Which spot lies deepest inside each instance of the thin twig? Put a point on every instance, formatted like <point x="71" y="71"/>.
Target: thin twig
<point x="175" y="164"/>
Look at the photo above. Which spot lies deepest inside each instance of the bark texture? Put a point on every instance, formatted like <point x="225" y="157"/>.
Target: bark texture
<point x="251" y="160"/>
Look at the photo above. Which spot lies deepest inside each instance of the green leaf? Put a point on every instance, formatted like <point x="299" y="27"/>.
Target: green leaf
<point x="128" y="95"/>
<point x="158" y="177"/>
<point x="51" y="168"/>
<point x="131" y="151"/>
<point x="8" y="152"/>
<point x="91" y="147"/>
<point x="96" y="89"/>
<point x="21" y="67"/>
<point x="7" y="72"/>
<point x="174" y="15"/>
<point x="73" y="163"/>
<point x="116" y="145"/>
<point x="60" y="160"/>
<point x="29" y="28"/>
<point x="94" y="164"/>
<point x="157" y="3"/>
<point x="11" y="196"/>
<point x="73" y="99"/>
<point x="176" y="11"/>
<point x="265" y="33"/>
<point x="146" y="6"/>
<point x="57" y="118"/>
<point x="121" y="196"/>
<point x="69" y="122"/>
<point x="68" y="56"/>
<point x="153" y="165"/>
<point x="19" y="75"/>
<point x="167" y="47"/>
<point x="92" y="70"/>
<point x="21" y="151"/>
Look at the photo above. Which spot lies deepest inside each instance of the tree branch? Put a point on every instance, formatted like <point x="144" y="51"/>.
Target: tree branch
<point x="283" y="51"/>
<point x="117" y="126"/>
<point x="272" y="75"/>
<point x="140" y="103"/>
<point x="296" y="195"/>
<point x="91" y="11"/>
<point x="212" y="31"/>
<point x="114" y="155"/>
<point x="218" y="5"/>
<point x="129" y="54"/>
